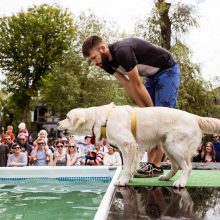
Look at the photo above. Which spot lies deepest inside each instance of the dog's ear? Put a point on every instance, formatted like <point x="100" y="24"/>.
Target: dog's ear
<point x="78" y="121"/>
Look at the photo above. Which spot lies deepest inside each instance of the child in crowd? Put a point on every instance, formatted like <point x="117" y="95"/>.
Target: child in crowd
<point x="22" y="129"/>
<point x="95" y="158"/>
<point x="10" y="133"/>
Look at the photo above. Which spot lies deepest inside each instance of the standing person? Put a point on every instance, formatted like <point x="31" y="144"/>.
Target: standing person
<point x="17" y="158"/>
<point x="95" y="157"/>
<point x="129" y="59"/>
<point x="23" y="142"/>
<point x="216" y="143"/>
<point x="8" y="142"/>
<point x="4" y="152"/>
<point x="41" y="155"/>
<point x="208" y="153"/>
<point x="74" y="155"/>
<point x="10" y="133"/>
<point x="25" y="146"/>
<point x="86" y="147"/>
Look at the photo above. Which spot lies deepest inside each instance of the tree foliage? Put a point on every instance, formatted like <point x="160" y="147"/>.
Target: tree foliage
<point x="76" y="83"/>
<point x="31" y="44"/>
<point x="195" y="94"/>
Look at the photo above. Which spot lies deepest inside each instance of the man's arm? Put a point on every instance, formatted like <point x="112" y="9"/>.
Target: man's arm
<point x="135" y="88"/>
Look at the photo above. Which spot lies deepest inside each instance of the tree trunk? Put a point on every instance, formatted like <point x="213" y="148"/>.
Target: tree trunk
<point x="25" y="112"/>
<point x="165" y="23"/>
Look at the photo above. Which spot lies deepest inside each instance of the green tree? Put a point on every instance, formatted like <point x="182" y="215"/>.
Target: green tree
<point x="77" y="84"/>
<point x="31" y="44"/>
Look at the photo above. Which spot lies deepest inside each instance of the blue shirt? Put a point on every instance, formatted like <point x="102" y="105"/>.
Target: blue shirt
<point x="41" y="158"/>
<point x="217" y="150"/>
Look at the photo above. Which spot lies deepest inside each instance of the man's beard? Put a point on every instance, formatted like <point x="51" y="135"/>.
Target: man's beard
<point x="104" y="60"/>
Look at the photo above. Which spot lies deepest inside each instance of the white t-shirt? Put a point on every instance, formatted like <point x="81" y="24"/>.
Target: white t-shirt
<point x="112" y="159"/>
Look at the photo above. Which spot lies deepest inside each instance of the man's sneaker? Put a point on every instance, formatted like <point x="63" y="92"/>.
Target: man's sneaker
<point x="148" y="170"/>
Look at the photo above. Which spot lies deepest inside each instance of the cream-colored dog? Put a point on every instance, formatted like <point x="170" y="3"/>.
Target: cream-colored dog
<point x="179" y="132"/>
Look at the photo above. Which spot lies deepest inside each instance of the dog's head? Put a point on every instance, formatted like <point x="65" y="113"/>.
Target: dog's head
<point x="75" y="122"/>
<point x="82" y="120"/>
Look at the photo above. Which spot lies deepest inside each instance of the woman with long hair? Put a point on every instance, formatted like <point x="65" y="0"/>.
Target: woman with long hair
<point x="208" y="153"/>
<point x="61" y="158"/>
<point x="74" y="155"/>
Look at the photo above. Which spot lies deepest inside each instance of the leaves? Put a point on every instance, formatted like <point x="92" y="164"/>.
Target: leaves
<point x="31" y="44"/>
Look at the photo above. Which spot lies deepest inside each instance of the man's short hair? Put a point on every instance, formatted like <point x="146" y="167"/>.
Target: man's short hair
<point x="90" y="43"/>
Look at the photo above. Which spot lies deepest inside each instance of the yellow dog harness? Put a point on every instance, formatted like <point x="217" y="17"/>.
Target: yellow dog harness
<point x="133" y="125"/>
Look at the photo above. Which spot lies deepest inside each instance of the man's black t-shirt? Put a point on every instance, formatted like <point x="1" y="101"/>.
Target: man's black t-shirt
<point x="131" y="52"/>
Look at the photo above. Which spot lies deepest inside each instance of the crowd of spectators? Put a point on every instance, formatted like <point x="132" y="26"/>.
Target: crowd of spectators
<point x="24" y="150"/>
<point x="209" y="151"/>
<point x="67" y="150"/>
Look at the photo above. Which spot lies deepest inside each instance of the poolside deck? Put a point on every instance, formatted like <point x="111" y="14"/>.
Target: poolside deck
<point x="196" y="166"/>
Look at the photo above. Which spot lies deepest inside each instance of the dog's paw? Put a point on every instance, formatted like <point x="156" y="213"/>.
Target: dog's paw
<point x="122" y="181"/>
<point x="164" y="177"/>
<point x="179" y="184"/>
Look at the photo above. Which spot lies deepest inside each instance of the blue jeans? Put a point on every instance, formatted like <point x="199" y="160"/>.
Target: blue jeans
<point x="163" y="86"/>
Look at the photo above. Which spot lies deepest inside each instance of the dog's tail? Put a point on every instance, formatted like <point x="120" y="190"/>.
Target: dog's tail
<point x="209" y="125"/>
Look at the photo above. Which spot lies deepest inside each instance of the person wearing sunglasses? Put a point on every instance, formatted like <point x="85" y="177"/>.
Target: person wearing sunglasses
<point x="61" y="158"/>
<point x="41" y="155"/>
<point x="17" y="158"/>
<point x="23" y="142"/>
<point x="8" y="141"/>
<point x="9" y="133"/>
<point x="74" y="155"/>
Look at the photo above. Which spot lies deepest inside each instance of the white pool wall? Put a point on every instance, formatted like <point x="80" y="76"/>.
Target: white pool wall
<point x="55" y="172"/>
<point x="103" y="210"/>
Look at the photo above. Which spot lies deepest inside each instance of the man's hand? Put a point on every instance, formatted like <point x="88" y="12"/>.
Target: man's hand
<point x="135" y="88"/>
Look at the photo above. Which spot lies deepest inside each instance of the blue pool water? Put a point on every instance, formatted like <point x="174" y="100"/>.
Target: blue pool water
<point x="51" y="198"/>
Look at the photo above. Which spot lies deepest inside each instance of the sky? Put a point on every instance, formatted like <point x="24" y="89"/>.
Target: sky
<point x="204" y="41"/>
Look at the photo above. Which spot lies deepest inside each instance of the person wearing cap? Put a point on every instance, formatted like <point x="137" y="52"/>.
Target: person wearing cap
<point x="17" y="158"/>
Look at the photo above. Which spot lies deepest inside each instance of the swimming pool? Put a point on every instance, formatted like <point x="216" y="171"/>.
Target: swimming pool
<point x="56" y="192"/>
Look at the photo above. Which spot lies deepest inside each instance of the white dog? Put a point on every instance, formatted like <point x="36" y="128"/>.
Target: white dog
<point x="179" y="132"/>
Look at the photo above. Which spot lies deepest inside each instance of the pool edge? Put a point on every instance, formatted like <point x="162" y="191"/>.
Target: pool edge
<point x="104" y="207"/>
